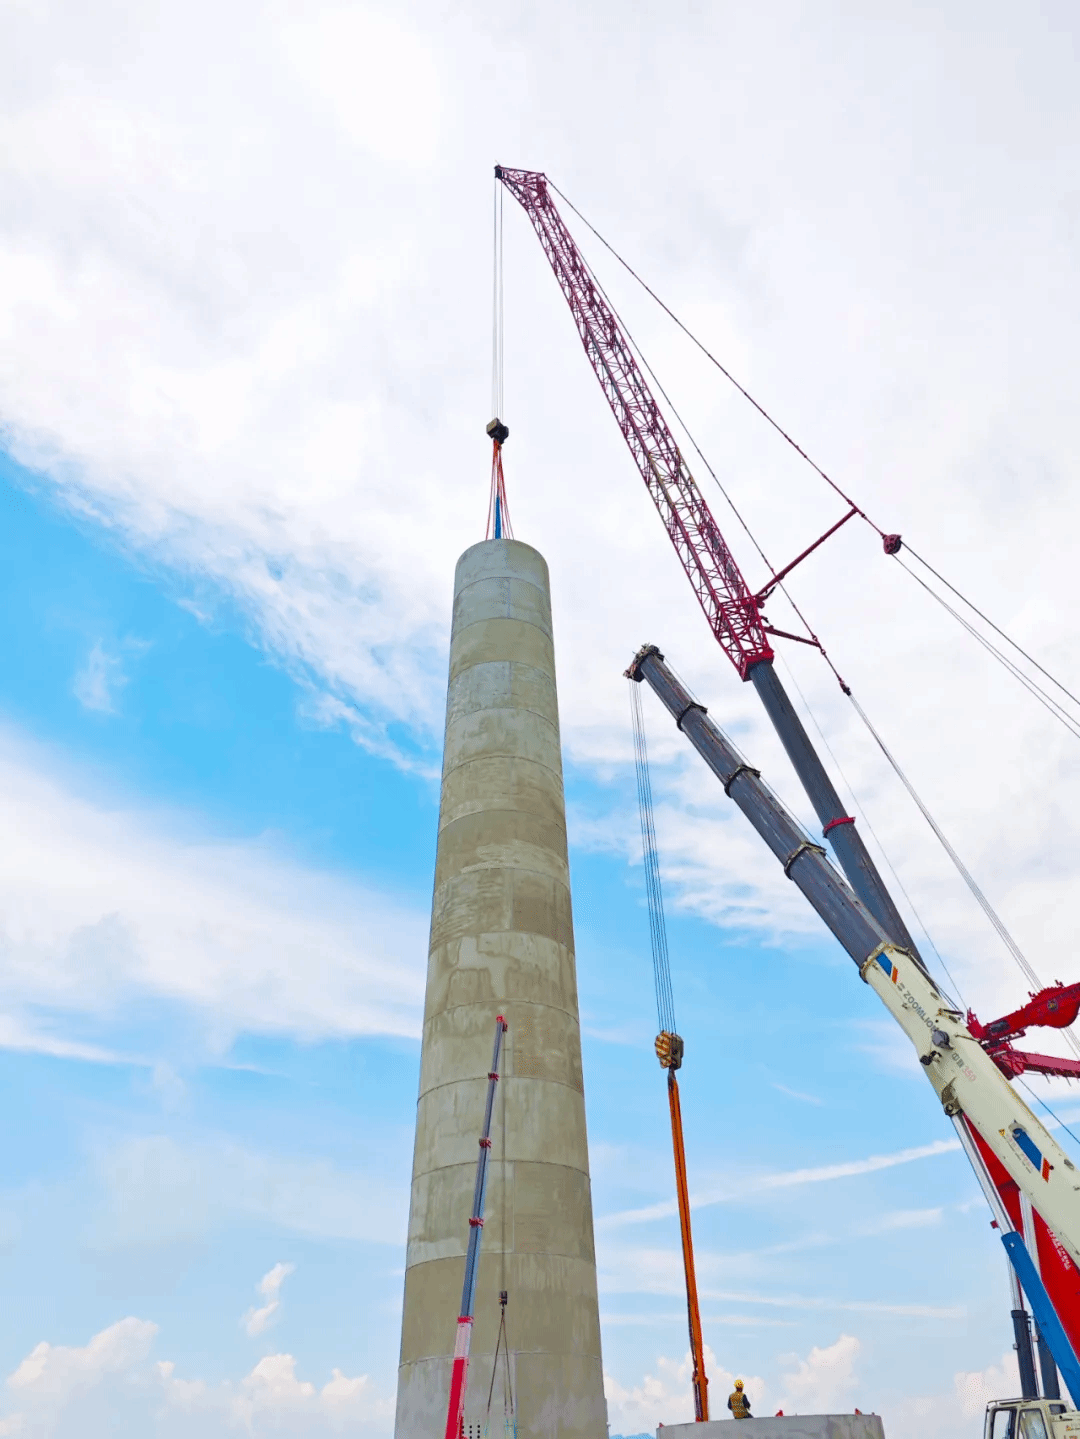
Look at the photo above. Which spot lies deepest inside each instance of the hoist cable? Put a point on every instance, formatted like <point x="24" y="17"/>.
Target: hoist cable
<point x="829" y="481"/>
<point x="968" y="878"/>
<point x="988" y="621"/>
<point x="1039" y="1100"/>
<point x="1036" y="691"/>
<point x="881" y="848"/>
<point x="636" y="348"/>
<point x="723" y="370"/>
<point x="665" y="1001"/>
<point x="497" y="325"/>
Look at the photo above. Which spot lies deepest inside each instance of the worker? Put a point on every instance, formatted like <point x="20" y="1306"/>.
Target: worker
<point x="738" y="1402"/>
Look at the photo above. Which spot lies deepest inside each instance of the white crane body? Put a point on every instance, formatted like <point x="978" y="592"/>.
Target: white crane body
<point x="968" y="1082"/>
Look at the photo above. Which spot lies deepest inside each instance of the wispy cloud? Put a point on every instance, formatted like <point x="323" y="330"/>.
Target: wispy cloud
<point x="856" y="1306"/>
<point x="798" y="1094"/>
<point x="786" y="1179"/>
<point x="99" y="681"/>
<point x="904" y="1219"/>
<point x="103" y="908"/>
<point x="662" y="1319"/>
<point x="256" y="1320"/>
<point x="157" y="1190"/>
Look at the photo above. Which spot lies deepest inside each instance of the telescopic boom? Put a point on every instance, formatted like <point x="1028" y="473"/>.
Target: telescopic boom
<point x="964" y="1076"/>
<point x="459" y="1374"/>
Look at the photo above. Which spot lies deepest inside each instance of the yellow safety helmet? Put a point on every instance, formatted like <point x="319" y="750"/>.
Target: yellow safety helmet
<point x="738" y="1383"/>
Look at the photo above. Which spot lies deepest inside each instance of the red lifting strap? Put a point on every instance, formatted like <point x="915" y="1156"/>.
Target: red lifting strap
<point x="844" y="819"/>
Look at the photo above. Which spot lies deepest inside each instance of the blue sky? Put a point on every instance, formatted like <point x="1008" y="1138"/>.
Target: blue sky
<point x="244" y="343"/>
<point x="165" y="1180"/>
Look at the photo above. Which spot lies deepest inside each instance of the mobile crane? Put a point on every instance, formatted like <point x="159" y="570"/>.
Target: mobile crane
<point x="735" y="613"/>
<point x="974" y="1094"/>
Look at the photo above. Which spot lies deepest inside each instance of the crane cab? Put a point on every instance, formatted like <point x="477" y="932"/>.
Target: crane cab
<point x="1031" y="1419"/>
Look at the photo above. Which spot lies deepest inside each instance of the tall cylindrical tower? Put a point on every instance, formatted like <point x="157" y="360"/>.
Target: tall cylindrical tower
<point x="502" y="941"/>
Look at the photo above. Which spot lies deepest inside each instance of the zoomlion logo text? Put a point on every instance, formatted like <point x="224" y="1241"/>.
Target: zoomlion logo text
<point x="912" y="1004"/>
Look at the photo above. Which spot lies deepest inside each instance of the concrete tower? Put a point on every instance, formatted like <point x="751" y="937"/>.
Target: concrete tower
<point x="502" y="941"/>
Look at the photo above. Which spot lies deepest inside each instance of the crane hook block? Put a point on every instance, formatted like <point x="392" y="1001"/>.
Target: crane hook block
<point x="669" y="1050"/>
<point x="497" y="430"/>
<point x="893" y="544"/>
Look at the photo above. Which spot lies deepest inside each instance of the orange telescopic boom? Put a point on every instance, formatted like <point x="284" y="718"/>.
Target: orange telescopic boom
<point x="669" y="1049"/>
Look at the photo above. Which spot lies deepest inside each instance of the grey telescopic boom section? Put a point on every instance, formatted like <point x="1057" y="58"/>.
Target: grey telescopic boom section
<point x="838" y="826"/>
<point x="805" y="863"/>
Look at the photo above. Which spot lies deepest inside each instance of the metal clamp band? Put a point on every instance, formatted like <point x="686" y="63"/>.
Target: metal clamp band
<point x="871" y="958"/>
<point x="843" y="819"/>
<point x="734" y="775"/>
<point x="807" y="846"/>
<point x="693" y="705"/>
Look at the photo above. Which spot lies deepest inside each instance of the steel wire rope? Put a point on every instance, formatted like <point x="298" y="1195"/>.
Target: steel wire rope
<point x="1036" y="691"/>
<point x="665" y="1000"/>
<point x="497" y="307"/>
<point x="723" y="370"/>
<point x="814" y="466"/>
<point x="877" y="840"/>
<point x="969" y="879"/>
<point x="636" y="348"/>
<point x="986" y="620"/>
<point x="994" y="919"/>
<point x="1056" y="1118"/>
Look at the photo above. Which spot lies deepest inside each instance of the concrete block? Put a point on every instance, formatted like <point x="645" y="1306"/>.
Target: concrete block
<point x="791" y="1426"/>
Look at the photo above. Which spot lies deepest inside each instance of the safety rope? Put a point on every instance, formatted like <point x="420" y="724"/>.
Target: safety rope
<point x="665" y="1000"/>
<point x="498" y="522"/>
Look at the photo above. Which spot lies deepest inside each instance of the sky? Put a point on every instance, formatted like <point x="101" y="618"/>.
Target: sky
<point x="245" y="339"/>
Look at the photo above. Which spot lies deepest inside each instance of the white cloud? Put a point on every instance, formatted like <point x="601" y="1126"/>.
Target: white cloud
<point x="156" y="1190"/>
<point x="60" y="1373"/>
<point x="824" y="1382"/>
<point x="104" y="907"/>
<point x="904" y="1219"/>
<point x="960" y="1410"/>
<point x="269" y="1286"/>
<point x="785" y="1179"/>
<point x="111" y="1385"/>
<point x="247" y="333"/>
<point x="798" y="1094"/>
<point x="664" y="1397"/>
<point x="97" y="684"/>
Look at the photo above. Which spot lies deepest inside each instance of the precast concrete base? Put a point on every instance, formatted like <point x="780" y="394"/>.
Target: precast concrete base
<point x="790" y="1426"/>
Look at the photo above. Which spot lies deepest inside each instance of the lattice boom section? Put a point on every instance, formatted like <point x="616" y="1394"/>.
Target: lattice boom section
<point x="722" y="592"/>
